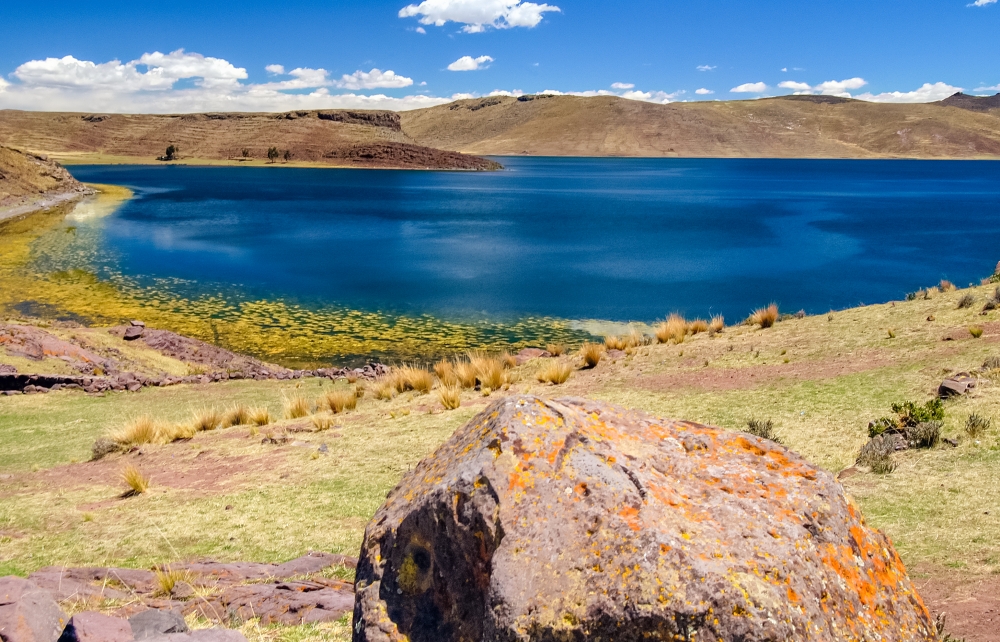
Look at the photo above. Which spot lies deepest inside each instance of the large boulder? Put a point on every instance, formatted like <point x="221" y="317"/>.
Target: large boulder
<point x="28" y="613"/>
<point x="579" y="520"/>
<point x="96" y="627"/>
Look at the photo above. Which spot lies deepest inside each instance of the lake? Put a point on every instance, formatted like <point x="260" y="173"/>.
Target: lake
<point x="555" y="238"/>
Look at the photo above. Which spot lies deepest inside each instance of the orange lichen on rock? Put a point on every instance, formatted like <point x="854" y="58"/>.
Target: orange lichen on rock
<point x="574" y="519"/>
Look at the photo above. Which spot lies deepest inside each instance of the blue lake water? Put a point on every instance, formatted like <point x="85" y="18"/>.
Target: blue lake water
<point x="616" y="239"/>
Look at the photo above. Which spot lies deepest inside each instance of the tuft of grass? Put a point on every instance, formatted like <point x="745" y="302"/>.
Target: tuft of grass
<point x="924" y="435"/>
<point x="976" y="331"/>
<point x="297" y="407"/>
<point x="991" y="363"/>
<point x="238" y="415"/>
<point x="891" y="333"/>
<point x="167" y="579"/>
<point x="883" y="465"/>
<point x="508" y="360"/>
<point x="135" y="480"/>
<point x="556" y="349"/>
<point x="763" y="428"/>
<point x="877" y="453"/>
<point x="139" y="431"/>
<point x="205" y="420"/>
<point x="384" y="389"/>
<point x="445" y="371"/>
<point x="407" y="378"/>
<point x="260" y="416"/>
<point x="555" y="373"/>
<point x="675" y="328"/>
<point x="967" y="301"/>
<point x="716" y="325"/>
<point x="321" y="423"/>
<point x="614" y="343"/>
<point x="764" y="317"/>
<point x="465" y="374"/>
<point x="946" y="286"/>
<point x="490" y="371"/>
<point x="450" y="397"/>
<point x="180" y="431"/>
<point x="591" y="354"/>
<point x="339" y="401"/>
<point x="976" y="425"/>
<point x="698" y="326"/>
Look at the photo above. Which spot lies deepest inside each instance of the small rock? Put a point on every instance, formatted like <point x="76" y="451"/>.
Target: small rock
<point x="153" y="623"/>
<point x="95" y="627"/>
<point x="203" y="635"/>
<point x="132" y="333"/>
<point x="135" y="323"/>
<point x="11" y="393"/>
<point x="6" y="369"/>
<point x="956" y="386"/>
<point x="182" y="591"/>
<point x="28" y="613"/>
<point x="930" y="318"/>
<point x="951" y="442"/>
<point x="102" y="448"/>
<point x="324" y="449"/>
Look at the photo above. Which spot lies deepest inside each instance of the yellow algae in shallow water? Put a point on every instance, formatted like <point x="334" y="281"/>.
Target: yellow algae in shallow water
<point x="274" y="330"/>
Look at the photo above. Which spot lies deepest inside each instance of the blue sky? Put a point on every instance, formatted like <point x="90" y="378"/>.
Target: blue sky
<point x="101" y="56"/>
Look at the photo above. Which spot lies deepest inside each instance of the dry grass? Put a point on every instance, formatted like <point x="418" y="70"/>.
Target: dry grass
<point x="591" y="354"/>
<point x="976" y="425"/>
<point x="555" y="373"/>
<point x="946" y="286"/>
<point x="764" y="317"/>
<point x="763" y="429"/>
<point x="716" y="325"/>
<point x="297" y="407"/>
<point x="167" y="579"/>
<point x="206" y="420"/>
<point x="260" y="416"/>
<point x="967" y="301"/>
<point x="490" y="371"/>
<point x="976" y="331"/>
<point x="321" y="423"/>
<point x="698" y="326"/>
<point x="238" y="415"/>
<point x="675" y="328"/>
<point x="139" y="431"/>
<point x="180" y="432"/>
<point x="385" y="388"/>
<point x="556" y="349"/>
<point x="445" y="371"/>
<point x="135" y="480"/>
<point x="450" y="397"/>
<point x="339" y="401"/>
<point x="614" y="343"/>
<point x="406" y="378"/>
<point x="465" y="374"/>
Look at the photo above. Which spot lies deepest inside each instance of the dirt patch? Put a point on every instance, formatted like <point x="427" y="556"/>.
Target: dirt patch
<point x="971" y="605"/>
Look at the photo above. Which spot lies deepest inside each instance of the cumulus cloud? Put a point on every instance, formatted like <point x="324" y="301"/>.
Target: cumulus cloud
<point x="795" y="86"/>
<point x="478" y="15"/>
<point x="502" y="92"/>
<point x="927" y="93"/>
<point x="622" y="85"/>
<point x="982" y="3"/>
<point x="660" y="97"/>
<point x="468" y="63"/>
<point x="705" y="67"/>
<point x="420" y="30"/>
<point x="750" y="88"/>
<point x="840" y="88"/>
<point x="993" y="88"/>
<point x="703" y="91"/>
<point x="149" y="85"/>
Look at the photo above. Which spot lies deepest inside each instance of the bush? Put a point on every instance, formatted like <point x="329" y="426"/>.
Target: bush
<point x="924" y="435"/>
<point x="763" y="429"/>
<point x="992" y="363"/>
<point x="555" y="373"/>
<point x="764" y="317"/>
<point x="883" y="465"/>
<point x="946" y="286"/>
<point x="878" y="448"/>
<point x="976" y="425"/>
<point x="591" y="354"/>
<point x="716" y="325"/>
<point x="910" y="414"/>
<point x="879" y="426"/>
<point x="967" y="301"/>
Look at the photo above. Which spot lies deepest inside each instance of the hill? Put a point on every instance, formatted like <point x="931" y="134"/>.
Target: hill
<point x="336" y="138"/>
<point x="29" y="182"/>
<point x="786" y="127"/>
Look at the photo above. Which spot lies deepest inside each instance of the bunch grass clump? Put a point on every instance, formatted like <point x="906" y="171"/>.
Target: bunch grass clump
<point x="763" y="428"/>
<point x="946" y="286"/>
<point x="556" y="349"/>
<point x="926" y="434"/>
<point x="716" y="325"/>
<point x="976" y="331"/>
<point x="238" y="415"/>
<point x="139" y="431"/>
<point x="675" y="328"/>
<point x="297" y="407"/>
<point x="490" y="371"/>
<point x="167" y="579"/>
<point x="556" y="373"/>
<point x="614" y="343"/>
<point x="698" y="326"/>
<point x="135" y="480"/>
<point x="876" y="454"/>
<point x="384" y="388"/>
<point x="764" y="317"/>
<point x="338" y="401"/>
<point x="976" y="425"/>
<point x="260" y="416"/>
<point x="445" y="371"/>
<point x="206" y="420"/>
<point x="591" y="354"/>
<point x="450" y="397"/>
<point x="967" y="301"/>
<point x="406" y="378"/>
<point x="321" y="423"/>
<point x="465" y="374"/>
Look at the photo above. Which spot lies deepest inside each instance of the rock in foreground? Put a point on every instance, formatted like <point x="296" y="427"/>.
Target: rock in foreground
<point x="578" y="520"/>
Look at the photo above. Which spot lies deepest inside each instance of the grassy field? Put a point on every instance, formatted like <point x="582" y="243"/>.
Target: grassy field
<point x="821" y="379"/>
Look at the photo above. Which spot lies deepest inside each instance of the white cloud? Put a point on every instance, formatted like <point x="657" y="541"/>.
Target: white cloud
<point x="661" y="97"/>
<point x="622" y="85"/>
<point x="276" y="70"/>
<point x="840" y="88"/>
<point x="706" y="67"/>
<point x="3" y="85"/>
<point x="374" y="79"/>
<point x="993" y="88"/>
<point x="982" y="3"/>
<point x="795" y="86"/>
<point x="927" y="93"/>
<point x="420" y="30"/>
<point x="703" y="91"/>
<point x="468" y="63"/>
<point x="784" y="70"/>
<point x="478" y="15"/>
<point x="750" y="88"/>
<point x="502" y="92"/>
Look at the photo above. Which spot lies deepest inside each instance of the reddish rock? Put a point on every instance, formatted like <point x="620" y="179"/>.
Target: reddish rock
<point x="578" y="520"/>
<point x="28" y="613"/>
<point x="956" y="386"/>
<point x="95" y="627"/>
<point x="133" y="332"/>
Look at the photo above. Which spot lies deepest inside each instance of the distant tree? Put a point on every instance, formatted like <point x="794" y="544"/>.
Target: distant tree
<point x="288" y="155"/>
<point x="246" y="153"/>
<point x="171" y="153"/>
<point x="272" y="154"/>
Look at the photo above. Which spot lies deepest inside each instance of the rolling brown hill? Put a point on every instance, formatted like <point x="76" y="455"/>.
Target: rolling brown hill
<point x="327" y="137"/>
<point x="29" y="182"/>
<point x="794" y="126"/>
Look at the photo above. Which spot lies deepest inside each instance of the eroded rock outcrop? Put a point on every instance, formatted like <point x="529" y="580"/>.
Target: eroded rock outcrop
<point x="578" y="520"/>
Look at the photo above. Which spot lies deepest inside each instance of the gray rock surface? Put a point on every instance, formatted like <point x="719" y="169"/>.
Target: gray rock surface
<point x="152" y="623"/>
<point x="96" y="627"/>
<point x="28" y="613"/>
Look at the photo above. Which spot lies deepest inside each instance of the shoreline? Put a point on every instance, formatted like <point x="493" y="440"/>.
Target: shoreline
<point x="45" y="203"/>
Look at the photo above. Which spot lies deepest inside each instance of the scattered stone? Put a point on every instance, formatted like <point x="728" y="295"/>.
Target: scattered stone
<point x="324" y="449"/>
<point x="133" y="332"/>
<point x="847" y="473"/>
<point x="95" y="627"/>
<point x="151" y="623"/>
<point x="572" y="519"/>
<point x="137" y="324"/>
<point x="202" y="635"/>
<point x="289" y="603"/>
<point x="7" y="369"/>
<point x="956" y="386"/>
<point x="951" y="442"/>
<point x="28" y="613"/>
<point x="103" y="447"/>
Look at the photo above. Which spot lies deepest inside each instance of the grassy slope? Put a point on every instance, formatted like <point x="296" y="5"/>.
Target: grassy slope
<point x="25" y="178"/>
<point x="778" y="127"/>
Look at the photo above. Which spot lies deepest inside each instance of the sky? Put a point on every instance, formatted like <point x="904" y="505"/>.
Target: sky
<point x="187" y="56"/>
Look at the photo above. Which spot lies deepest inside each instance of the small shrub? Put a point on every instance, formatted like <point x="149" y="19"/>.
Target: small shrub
<point x="763" y="429"/>
<point x="135" y="480"/>
<point x="556" y="349"/>
<point x="877" y="448"/>
<point x="976" y="331"/>
<point x="238" y="415"/>
<point x="450" y="397"/>
<point x="910" y="414"/>
<point x="591" y="354"/>
<point x="716" y="325"/>
<point x="765" y="317"/>
<point x="260" y="416"/>
<point x="445" y="371"/>
<point x="926" y="434"/>
<point x="883" y="465"/>
<point x="992" y="363"/>
<point x="883" y="425"/>
<point x="555" y="373"/>
<point x="946" y="286"/>
<point x="801" y="314"/>
<point x="321" y="423"/>
<point x="976" y="425"/>
<point x="167" y="579"/>
<point x="297" y="407"/>
<point x="698" y="326"/>
<point x="209" y="419"/>
<point x="967" y="301"/>
<point x="338" y="401"/>
<point x="139" y="431"/>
